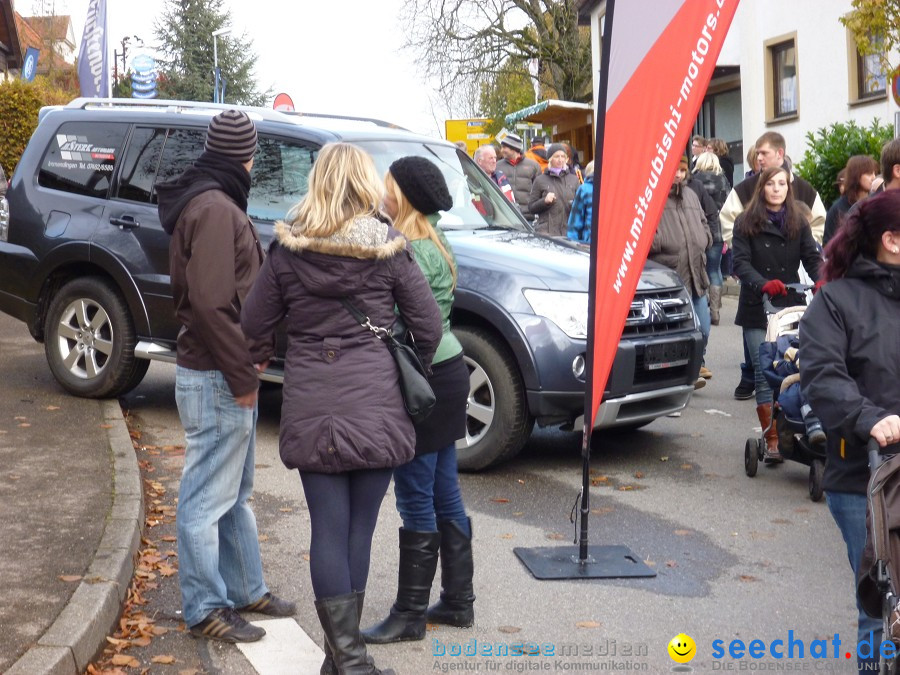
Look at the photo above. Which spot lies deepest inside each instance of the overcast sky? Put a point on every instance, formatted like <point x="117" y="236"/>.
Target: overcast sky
<point x="329" y="56"/>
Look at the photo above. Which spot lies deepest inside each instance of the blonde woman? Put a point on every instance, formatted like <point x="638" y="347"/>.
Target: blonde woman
<point x="708" y="174"/>
<point x="343" y="424"/>
<point x="427" y="488"/>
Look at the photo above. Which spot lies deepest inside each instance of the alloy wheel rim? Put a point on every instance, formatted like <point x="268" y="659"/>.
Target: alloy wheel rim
<point x="85" y="338"/>
<point x="481" y="404"/>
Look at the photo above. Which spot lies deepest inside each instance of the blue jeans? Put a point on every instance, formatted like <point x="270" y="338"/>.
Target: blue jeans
<point x="218" y="545"/>
<point x="754" y="337"/>
<point x="849" y="512"/>
<point x="701" y="309"/>
<point x="714" y="264"/>
<point x="747" y="372"/>
<point x="427" y="490"/>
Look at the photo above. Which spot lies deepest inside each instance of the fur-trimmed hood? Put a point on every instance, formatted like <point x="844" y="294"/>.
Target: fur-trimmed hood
<point x="336" y="265"/>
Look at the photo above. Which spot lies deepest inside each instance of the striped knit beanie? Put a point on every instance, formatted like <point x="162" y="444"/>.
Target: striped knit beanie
<point x="232" y="134"/>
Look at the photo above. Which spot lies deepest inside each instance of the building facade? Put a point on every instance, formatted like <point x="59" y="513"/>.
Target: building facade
<point x="789" y="67"/>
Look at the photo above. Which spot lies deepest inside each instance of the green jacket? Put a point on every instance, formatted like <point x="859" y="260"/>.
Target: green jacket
<point x="440" y="278"/>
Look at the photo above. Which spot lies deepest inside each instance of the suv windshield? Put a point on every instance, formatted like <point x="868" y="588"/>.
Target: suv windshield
<point x="477" y="202"/>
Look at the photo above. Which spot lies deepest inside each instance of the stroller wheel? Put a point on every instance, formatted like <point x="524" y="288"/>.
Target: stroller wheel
<point x="816" y="475"/>
<point x="751" y="457"/>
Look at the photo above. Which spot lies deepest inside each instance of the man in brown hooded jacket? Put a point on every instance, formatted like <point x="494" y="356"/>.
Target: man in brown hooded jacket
<point x="214" y="257"/>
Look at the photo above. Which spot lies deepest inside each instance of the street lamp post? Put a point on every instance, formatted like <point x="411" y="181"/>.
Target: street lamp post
<point x="217" y="95"/>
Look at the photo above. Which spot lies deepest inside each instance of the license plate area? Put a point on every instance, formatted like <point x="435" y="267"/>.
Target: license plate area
<point x="666" y="355"/>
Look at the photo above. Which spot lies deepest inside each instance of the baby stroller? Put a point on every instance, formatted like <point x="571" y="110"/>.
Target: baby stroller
<point x="782" y="337"/>
<point x="879" y="570"/>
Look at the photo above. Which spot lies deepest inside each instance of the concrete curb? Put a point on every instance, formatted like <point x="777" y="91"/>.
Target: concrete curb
<point x="81" y="628"/>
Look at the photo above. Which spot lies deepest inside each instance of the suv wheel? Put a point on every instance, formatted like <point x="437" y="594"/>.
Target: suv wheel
<point x="89" y="340"/>
<point x="497" y="419"/>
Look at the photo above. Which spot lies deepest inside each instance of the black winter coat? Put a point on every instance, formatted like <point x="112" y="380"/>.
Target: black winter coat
<point x="850" y="365"/>
<point x="342" y="408"/>
<point x="766" y="256"/>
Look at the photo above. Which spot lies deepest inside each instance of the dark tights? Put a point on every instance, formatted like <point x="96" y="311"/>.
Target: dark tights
<point x="343" y="510"/>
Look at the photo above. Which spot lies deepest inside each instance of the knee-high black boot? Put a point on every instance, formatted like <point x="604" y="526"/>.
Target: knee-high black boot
<point x="339" y="617"/>
<point x="328" y="667"/>
<point x="457" y="593"/>
<point x="418" y="563"/>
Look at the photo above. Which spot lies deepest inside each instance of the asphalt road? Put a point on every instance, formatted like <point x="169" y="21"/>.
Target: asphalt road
<point x="736" y="558"/>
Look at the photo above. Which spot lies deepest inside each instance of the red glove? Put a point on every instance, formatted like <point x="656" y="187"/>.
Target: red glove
<point x="819" y="284"/>
<point x="774" y="287"/>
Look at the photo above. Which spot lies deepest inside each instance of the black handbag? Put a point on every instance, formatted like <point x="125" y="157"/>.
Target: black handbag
<point x="418" y="396"/>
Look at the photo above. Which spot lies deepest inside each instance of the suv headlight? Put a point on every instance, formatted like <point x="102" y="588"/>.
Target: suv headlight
<point x="4" y="219"/>
<point x="567" y="310"/>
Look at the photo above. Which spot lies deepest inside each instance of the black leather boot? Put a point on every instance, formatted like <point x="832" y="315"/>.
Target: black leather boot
<point x="457" y="593"/>
<point x="339" y="617"/>
<point x="418" y="563"/>
<point x="328" y="667"/>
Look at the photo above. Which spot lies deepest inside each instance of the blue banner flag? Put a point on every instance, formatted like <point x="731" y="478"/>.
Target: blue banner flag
<point x="93" y="62"/>
<point x="29" y="65"/>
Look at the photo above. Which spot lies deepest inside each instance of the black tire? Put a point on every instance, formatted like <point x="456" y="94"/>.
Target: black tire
<point x="751" y="457"/>
<point x="498" y="421"/>
<point x="816" y="477"/>
<point x="95" y="363"/>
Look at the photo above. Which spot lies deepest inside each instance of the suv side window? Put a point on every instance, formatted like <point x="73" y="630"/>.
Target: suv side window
<point x="279" y="178"/>
<point x="136" y="179"/>
<point x="82" y="157"/>
<point x="182" y="147"/>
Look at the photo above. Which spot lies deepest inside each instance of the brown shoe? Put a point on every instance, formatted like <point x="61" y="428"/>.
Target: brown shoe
<point x="226" y="625"/>
<point x="771" y="454"/>
<point x="705" y="372"/>
<point x="699" y="384"/>
<point x="271" y="605"/>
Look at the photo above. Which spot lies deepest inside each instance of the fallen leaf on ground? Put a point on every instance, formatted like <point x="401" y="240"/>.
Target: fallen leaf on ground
<point x="169" y="537"/>
<point x="671" y="563"/>
<point x="286" y="509"/>
<point x="52" y="407"/>
<point x="264" y="537"/>
<point x="509" y="629"/>
<point x="500" y="500"/>
<point x="747" y="577"/>
<point x="24" y="425"/>
<point x="506" y="536"/>
<point x="167" y="570"/>
<point x="163" y="658"/>
<point x="682" y="533"/>
<point x="106" y="426"/>
<point x="70" y="577"/>
<point x="638" y="474"/>
<point x="588" y="624"/>
<point x="125" y="660"/>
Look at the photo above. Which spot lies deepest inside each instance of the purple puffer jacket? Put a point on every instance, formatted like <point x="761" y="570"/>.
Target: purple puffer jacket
<point x="342" y="409"/>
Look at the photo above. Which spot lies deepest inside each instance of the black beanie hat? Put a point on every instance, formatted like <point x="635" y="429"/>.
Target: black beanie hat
<point x="556" y="147"/>
<point x="422" y="183"/>
<point x="233" y="134"/>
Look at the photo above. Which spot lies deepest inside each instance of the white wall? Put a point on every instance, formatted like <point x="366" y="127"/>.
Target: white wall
<point x="821" y="58"/>
<point x="822" y="69"/>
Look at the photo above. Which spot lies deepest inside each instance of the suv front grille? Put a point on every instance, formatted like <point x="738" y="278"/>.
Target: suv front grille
<point x="659" y="312"/>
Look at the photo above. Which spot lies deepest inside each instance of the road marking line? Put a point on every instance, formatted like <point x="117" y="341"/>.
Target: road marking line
<point x="286" y="648"/>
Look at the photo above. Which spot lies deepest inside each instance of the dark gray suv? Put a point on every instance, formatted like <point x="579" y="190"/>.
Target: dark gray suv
<point x="85" y="266"/>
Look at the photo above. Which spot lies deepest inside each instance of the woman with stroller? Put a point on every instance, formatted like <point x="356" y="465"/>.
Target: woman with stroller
<point x="771" y="239"/>
<point x="851" y="364"/>
<point x="343" y="422"/>
<point x="427" y="488"/>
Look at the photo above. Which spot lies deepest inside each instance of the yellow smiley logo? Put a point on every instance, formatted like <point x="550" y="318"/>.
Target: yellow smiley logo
<point x="682" y="648"/>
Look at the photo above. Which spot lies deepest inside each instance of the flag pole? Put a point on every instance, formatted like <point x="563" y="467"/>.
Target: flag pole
<point x="589" y="562"/>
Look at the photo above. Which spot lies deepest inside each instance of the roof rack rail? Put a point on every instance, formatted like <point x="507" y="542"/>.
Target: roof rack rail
<point x="175" y="106"/>
<point x="351" y="118"/>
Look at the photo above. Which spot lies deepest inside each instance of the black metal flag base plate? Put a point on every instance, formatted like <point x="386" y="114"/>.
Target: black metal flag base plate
<point x="564" y="562"/>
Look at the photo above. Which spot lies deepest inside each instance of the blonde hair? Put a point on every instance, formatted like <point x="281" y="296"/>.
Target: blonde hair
<point x="708" y="161"/>
<point x="413" y="224"/>
<point x="343" y="186"/>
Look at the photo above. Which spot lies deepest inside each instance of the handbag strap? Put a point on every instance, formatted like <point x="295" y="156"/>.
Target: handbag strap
<point x="363" y="320"/>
